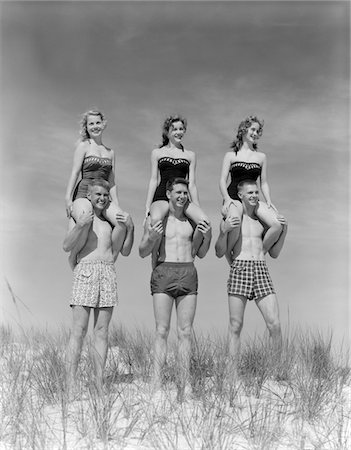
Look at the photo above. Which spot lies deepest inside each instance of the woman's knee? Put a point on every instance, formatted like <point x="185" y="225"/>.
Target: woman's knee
<point x="235" y="209"/>
<point x="79" y="206"/>
<point x="268" y="216"/>
<point x="158" y="211"/>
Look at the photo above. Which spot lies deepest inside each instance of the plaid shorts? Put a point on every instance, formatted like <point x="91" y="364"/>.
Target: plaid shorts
<point x="94" y="284"/>
<point x="250" y="279"/>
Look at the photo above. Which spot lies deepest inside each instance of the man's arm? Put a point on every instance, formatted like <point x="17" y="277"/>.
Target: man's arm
<point x="225" y="226"/>
<point x="204" y="230"/>
<point x="151" y="236"/>
<point x="276" y="248"/>
<point x="75" y="229"/>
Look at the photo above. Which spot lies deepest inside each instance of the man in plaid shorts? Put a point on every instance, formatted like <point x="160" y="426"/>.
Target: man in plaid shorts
<point x="249" y="278"/>
<point x="94" y="278"/>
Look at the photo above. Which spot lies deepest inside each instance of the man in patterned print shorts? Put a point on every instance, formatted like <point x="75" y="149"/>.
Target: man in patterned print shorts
<point x="174" y="278"/>
<point x="94" y="278"/>
<point x="249" y="278"/>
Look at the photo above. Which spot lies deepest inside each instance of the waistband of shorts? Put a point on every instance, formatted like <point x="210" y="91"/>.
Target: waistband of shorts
<point x="246" y="262"/>
<point x="174" y="264"/>
<point x="95" y="262"/>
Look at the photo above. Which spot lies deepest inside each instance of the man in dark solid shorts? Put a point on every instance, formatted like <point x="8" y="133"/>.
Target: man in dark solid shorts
<point x="249" y="278"/>
<point x="174" y="278"/>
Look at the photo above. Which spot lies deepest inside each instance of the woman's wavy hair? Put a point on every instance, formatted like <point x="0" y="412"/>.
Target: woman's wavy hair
<point x="167" y="125"/>
<point x="242" y="130"/>
<point x="84" y="135"/>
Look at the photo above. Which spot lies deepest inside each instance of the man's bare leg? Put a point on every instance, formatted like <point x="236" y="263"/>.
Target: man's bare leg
<point x="237" y="304"/>
<point x="74" y="349"/>
<point x="163" y="304"/>
<point x="102" y="318"/>
<point x="269" y="309"/>
<point x="186" y="307"/>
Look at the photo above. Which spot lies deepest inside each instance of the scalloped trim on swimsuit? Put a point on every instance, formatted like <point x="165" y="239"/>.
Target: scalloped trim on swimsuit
<point x="245" y="165"/>
<point x="174" y="161"/>
<point x="97" y="159"/>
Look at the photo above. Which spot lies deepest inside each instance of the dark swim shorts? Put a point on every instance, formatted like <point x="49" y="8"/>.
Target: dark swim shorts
<point x="175" y="279"/>
<point x="250" y="279"/>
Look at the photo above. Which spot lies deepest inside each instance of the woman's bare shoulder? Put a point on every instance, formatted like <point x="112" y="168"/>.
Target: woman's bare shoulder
<point x="190" y="154"/>
<point x="230" y="156"/>
<point x="82" y="147"/>
<point x="156" y="152"/>
<point x="261" y="157"/>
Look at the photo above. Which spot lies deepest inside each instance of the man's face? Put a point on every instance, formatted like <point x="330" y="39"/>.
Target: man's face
<point x="99" y="197"/>
<point x="249" y="194"/>
<point x="179" y="195"/>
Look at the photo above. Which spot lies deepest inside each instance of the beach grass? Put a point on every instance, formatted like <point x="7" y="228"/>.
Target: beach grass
<point x="301" y="400"/>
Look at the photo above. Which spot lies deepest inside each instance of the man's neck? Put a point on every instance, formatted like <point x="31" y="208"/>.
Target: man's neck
<point x="178" y="213"/>
<point x="98" y="213"/>
<point x="249" y="210"/>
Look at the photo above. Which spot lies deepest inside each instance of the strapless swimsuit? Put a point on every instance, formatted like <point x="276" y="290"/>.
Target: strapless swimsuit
<point x="170" y="168"/>
<point x="240" y="171"/>
<point x="93" y="167"/>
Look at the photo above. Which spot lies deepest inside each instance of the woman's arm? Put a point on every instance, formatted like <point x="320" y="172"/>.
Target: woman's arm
<point x="153" y="179"/>
<point x="264" y="183"/>
<point x="78" y="159"/>
<point x="113" y="181"/>
<point x="224" y="176"/>
<point x="192" y="183"/>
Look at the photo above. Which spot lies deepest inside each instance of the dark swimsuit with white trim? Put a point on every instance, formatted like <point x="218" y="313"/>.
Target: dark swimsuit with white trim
<point x="240" y="171"/>
<point x="170" y="168"/>
<point x="93" y="167"/>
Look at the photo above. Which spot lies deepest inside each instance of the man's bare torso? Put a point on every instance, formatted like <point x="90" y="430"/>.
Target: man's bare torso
<point x="176" y="243"/>
<point x="249" y="246"/>
<point x="99" y="244"/>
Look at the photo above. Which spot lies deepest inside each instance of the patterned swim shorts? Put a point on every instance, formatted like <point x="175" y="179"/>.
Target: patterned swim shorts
<point x="94" y="284"/>
<point x="250" y="279"/>
<point x="174" y="279"/>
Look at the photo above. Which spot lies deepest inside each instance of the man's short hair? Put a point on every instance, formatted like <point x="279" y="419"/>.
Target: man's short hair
<point x="243" y="183"/>
<point x="99" y="182"/>
<point x="173" y="181"/>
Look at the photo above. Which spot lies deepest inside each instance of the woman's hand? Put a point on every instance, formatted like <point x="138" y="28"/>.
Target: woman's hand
<point x="69" y="204"/>
<point x="282" y="220"/>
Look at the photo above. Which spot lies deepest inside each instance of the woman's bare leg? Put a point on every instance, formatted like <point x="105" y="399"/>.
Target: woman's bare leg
<point x="235" y="210"/>
<point x="158" y="211"/>
<point x="119" y="230"/>
<point x="269" y="217"/>
<point x="79" y="206"/>
<point x="195" y="213"/>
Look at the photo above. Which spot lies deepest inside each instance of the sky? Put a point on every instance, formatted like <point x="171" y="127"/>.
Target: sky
<point x="215" y="63"/>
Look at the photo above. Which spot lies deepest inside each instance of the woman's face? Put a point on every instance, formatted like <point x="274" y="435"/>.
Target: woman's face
<point x="95" y="126"/>
<point x="176" y="132"/>
<point x="253" y="132"/>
